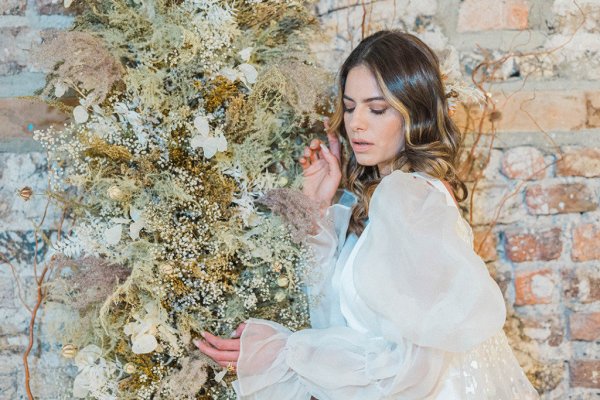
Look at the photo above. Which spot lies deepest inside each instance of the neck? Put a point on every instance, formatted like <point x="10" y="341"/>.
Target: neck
<point x="384" y="169"/>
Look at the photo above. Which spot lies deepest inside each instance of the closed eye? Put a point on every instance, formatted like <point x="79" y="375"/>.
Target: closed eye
<point x="376" y="112"/>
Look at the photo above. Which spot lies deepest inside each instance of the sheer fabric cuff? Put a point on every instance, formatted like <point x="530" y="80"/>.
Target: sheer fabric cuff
<point x="262" y="370"/>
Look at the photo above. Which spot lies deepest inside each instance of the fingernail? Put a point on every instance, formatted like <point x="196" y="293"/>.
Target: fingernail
<point x="196" y="342"/>
<point x="233" y="334"/>
<point x="325" y="149"/>
<point x="203" y="334"/>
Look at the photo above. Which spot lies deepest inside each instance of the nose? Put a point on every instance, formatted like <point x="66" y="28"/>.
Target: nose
<point x="358" y="120"/>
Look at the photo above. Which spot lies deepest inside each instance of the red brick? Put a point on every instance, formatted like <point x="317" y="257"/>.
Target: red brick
<point x="544" y="329"/>
<point x="12" y="7"/>
<point x="524" y="163"/>
<point x="496" y="202"/>
<point x="16" y="114"/>
<point x="484" y="164"/>
<point x="585" y="326"/>
<point x="485" y="243"/>
<point x="534" y="287"/>
<point x="582" y="161"/>
<point x="585" y="373"/>
<point x="531" y="111"/>
<point x="586" y="242"/>
<point x="523" y="246"/>
<point x="582" y="284"/>
<point x="482" y="15"/>
<point x="16" y="44"/>
<point x="559" y="198"/>
<point x="593" y="109"/>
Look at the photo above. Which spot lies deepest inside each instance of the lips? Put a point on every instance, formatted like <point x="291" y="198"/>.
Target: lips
<point x="359" y="145"/>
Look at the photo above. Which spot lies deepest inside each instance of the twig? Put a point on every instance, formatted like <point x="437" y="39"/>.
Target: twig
<point x="490" y="108"/>
<point x="41" y="290"/>
<point x="4" y="259"/>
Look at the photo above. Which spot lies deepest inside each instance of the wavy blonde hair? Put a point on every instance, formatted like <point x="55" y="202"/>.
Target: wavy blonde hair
<point x="408" y="74"/>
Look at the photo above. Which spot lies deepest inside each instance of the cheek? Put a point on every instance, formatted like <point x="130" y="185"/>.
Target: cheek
<point x="394" y="134"/>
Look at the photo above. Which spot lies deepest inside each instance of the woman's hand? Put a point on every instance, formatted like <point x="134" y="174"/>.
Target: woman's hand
<point x="322" y="171"/>
<point x="224" y="352"/>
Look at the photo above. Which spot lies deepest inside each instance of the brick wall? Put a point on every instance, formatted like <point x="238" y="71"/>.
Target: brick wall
<point x="535" y="211"/>
<point x="22" y="163"/>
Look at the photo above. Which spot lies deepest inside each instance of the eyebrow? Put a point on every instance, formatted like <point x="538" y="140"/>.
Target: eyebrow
<point x="365" y="100"/>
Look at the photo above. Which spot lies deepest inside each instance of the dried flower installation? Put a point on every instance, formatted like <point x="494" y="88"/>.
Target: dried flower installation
<point x="188" y="113"/>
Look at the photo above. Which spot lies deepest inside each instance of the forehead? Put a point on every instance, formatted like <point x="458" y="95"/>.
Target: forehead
<point x="361" y="83"/>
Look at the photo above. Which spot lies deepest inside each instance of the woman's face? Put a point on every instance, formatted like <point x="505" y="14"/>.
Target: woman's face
<point x="374" y="127"/>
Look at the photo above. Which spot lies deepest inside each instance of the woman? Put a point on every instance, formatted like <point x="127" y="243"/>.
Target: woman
<point x="403" y="307"/>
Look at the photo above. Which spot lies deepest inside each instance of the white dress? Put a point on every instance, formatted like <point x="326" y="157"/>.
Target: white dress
<point x="406" y="311"/>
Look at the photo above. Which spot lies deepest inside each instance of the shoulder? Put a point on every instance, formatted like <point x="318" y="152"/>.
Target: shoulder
<point x="407" y="192"/>
<point x="403" y="184"/>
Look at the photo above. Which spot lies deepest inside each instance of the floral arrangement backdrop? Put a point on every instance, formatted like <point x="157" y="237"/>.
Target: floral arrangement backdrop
<point x="177" y="173"/>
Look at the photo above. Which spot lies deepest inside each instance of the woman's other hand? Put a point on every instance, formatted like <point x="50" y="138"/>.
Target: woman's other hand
<point x="321" y="169"/>
<point x="224" y="352"/>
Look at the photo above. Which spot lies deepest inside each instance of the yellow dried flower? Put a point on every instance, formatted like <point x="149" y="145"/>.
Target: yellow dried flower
<point x="223" y="89"/>
<point x="99" y="148"/>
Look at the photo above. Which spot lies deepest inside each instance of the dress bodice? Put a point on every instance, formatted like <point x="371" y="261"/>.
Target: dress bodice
<point x="405" y="311"/>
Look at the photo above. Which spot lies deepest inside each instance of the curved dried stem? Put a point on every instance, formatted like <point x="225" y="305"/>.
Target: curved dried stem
<point x="41" y="279"/>
<point x="490" y="110"/>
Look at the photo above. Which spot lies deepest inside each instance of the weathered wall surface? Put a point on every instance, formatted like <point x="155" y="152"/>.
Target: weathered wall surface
<point x="535" y="204"/>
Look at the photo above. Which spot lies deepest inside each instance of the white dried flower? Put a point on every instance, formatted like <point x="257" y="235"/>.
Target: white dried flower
<point x="80" y="114"/>
<point x="115" y="193"/>
<point x="283" y="281"/>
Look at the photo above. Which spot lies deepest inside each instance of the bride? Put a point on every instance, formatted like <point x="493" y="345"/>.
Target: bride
<point x="402" y="307"/>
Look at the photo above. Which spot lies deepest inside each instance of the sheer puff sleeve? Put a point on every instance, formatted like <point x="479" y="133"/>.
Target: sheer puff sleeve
<point x="429" y="294"/>
<point x="424" y="282"/>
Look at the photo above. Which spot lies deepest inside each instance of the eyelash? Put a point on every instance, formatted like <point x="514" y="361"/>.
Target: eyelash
<point x="376" y="112"/>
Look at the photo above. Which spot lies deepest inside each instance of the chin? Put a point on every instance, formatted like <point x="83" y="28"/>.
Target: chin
<point x="361" y="159"/>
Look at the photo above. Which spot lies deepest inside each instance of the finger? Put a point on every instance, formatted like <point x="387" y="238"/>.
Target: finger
<point x="334" y="166"/>
<point x="238" y="331"/>
<point x="221" y="343"/>
<point x="335" y="146"/>
<point x="307" y="152"/>
<point x="304" y="163"/>
<point x="326" y="123"/>
<point x="315" y="155"/>
<point x="314" y="144"/>
<point x="306" y="155"/>
<point x="315" y="168"/>
<point x="216" y="354"/>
